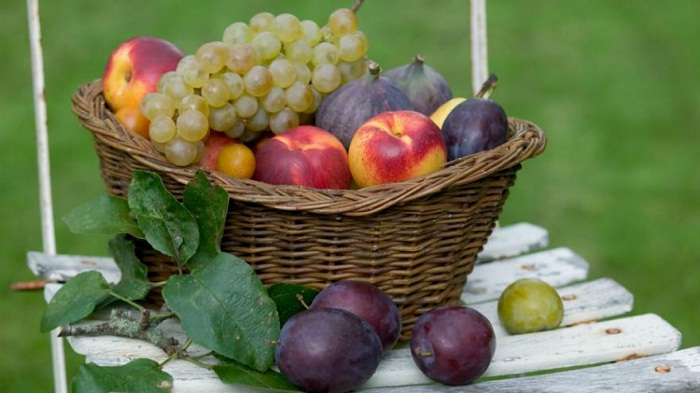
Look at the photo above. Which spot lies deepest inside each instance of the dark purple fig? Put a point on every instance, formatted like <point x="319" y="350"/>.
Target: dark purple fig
<point x="475" y="125"/>
<point x="342" y="112"/>
<point x="424" y="87"/>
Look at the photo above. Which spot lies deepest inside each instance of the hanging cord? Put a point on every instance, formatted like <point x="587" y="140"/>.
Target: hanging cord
<point x="47" y="224"/>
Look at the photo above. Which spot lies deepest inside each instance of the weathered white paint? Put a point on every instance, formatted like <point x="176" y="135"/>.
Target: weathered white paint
<point x="513" y="240"/>
<point x="558" y="266"/>
<point x="673" y="372"/>
<point x="60" y="268"/>
<point x="566" y="347"/>
<point x="584" y="302"/>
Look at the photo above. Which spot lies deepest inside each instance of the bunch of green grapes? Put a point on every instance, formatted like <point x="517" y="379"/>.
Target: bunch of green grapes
<point x="269" y="74"/>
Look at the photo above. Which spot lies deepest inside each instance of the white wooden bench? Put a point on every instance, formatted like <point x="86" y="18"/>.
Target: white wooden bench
<point x="596" y="348"/>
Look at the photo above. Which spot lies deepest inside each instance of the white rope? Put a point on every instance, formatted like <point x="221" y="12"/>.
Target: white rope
<point x="479" y="53"/>
<point x="42" y="144"/>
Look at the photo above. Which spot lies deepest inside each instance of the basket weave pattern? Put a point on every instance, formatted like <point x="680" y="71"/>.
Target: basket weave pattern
<point x="416" y="240"/>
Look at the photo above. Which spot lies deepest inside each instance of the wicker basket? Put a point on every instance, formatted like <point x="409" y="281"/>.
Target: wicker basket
<point x="417" y="240"/>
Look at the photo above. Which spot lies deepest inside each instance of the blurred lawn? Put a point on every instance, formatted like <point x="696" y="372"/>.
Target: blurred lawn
<point x="613" y="84"/>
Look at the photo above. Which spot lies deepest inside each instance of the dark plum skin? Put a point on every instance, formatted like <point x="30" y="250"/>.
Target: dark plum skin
<point x="327" y="350"/>
<point x="366" y="301"/>
<point x="474" y="125"/>
<point x="453" y="345"/>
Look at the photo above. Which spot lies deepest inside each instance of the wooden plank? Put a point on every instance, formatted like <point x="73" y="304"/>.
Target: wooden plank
<point x="575" y="346"/>
<point x="578" y="345"/>
<point x="558" y="267"/>
<point x="673" y="372"/>
<point x="513" y="240"/>
<point x="62" y="267"/>
<point x="583" y="302"/>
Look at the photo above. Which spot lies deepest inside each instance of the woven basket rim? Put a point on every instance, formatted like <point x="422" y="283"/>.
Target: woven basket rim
<point x="528" y="141"/>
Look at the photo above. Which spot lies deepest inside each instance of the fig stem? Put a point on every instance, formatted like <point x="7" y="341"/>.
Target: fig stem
<point x="374" y="68"/>
<point x="419" y="59"/>
<point x="488" y="87"/>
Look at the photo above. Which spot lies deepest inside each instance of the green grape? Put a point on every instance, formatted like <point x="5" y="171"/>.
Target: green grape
<point x="311" y="32"/>
<point x="248" y="135"/>
<point x="180" y="152"/>
<point x="192" y="126"/>
<point x="352" y="47"/>
<point x="530" y="305"/>
<point x="246" y="106"/>
<point x="193" y="101"/>
<point x="222" y="118"/>
<point x="267" y="45"/>
<point x="299" y="96"/>
<point x="259" y="121"/>
<point x="216" y="92"/>
<point x="325" y="78"/>
<point x="160" y="147"/>
<point x="157" y="104"/>
<point x="287" y="27"/>
<point x="164" y="79"/>
<point x="234" y="83"/>
<point x="236" y="130"/>
<point x="325" y="52"/>
<point x="263" y="21"/>
<point x="351" y="71"/>
<point x="283" y="120"/>
<point x="284" y="73"/>
<point x="191" y="72"/>
<point x="211" y="56"/>
<point x="314" y="105"/>
<point x="303" y="73"/>
<point x="162" y="129"/>
<point x="241" y="58"/>
<point x="176" y="88"/>
<point x="298" y="51"/>
<point x="274" y="100"/>
<point x="237" y="33"/>
<point x="201" y="151"/>
<point x="342" y="21"/>
<point x="258" y="81"/>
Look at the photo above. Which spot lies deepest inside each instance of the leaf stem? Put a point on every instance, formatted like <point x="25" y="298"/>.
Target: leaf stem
<point x="128" y="301"/>
<point x="197" y="362"/>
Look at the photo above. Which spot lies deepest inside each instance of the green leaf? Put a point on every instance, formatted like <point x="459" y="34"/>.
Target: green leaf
<point x="209" y="205"/>
<point x="234" y="373"/>
<point x="134" y="284"/>
<point x="224" y="307"/>
<point x="106" y="215"/>
<point x="75" y="300"/>
<point x="138" y="376"/>
<point x="169" y="227"/>
<point x="287" y="298"/>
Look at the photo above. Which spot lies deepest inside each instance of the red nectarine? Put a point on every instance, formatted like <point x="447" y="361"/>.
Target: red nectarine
<point x="305" y="156"/>
<point x="395" y="146"/>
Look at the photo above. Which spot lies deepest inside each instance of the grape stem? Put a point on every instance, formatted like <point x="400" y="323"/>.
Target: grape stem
<point x="357" y="5"/>
<point x="488" y="87"/>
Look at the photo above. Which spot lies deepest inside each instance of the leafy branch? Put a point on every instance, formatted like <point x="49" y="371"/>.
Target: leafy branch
<point x="221" y="303"/>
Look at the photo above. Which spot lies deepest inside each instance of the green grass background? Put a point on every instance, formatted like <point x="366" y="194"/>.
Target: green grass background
<point x="613" y="84"/>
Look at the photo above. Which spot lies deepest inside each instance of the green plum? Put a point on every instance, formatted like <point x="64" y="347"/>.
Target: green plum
<point x="530" y="305"/>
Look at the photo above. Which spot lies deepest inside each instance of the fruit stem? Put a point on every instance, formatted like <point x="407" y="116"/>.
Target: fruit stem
<point x="488" y="87"/>
<point x="419" y="59"/>
<point x="357" y="5"/>
<point x="374" y="69"/>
